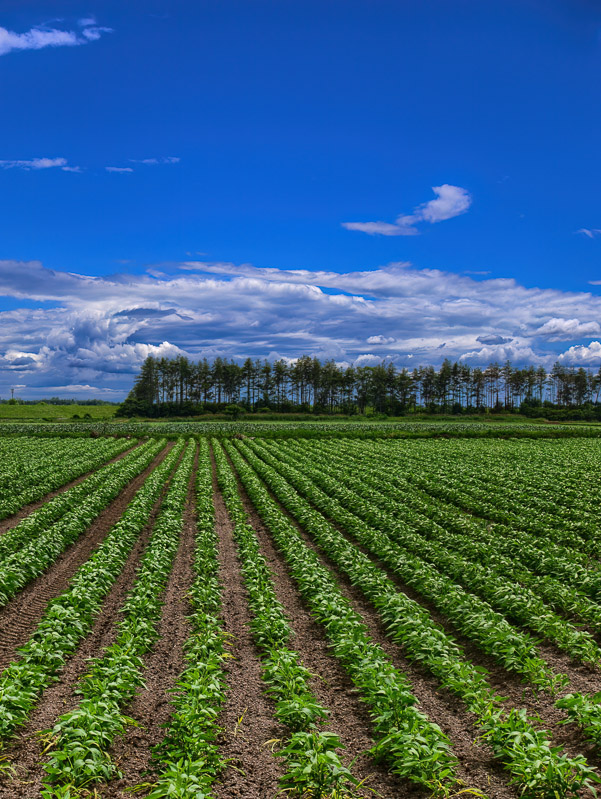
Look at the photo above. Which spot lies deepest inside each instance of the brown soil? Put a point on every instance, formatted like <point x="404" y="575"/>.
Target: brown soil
<point x="20" y="616"/>
<point x="12" y="521"/>
<point x="512" y="686"/>
<point x="583" y="678"/>
<point x="26" y="753"/>
<point x="152" y="707"/>
<point x="247" y="718"/>
<point x="349" y="717"/>
<point x="478" y="768"/>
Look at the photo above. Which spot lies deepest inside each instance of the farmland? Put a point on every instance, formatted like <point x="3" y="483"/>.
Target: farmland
<point x="359" y="613"/>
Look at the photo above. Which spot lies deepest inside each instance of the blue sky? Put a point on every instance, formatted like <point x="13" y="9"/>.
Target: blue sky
<point x="357" y="180"/>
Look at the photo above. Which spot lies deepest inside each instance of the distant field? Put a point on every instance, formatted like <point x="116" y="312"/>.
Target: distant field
<point x="314" y="429"/>
<point x="56" y="412"/>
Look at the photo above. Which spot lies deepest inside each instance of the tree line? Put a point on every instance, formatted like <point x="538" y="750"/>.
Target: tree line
<point x="179" y="386"/>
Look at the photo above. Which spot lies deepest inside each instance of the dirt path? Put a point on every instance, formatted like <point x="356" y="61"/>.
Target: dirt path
<point x="20" y="616"/>
<point x="152" y="707"/>
<point x="12" y="521"/>
<point x="25" y="753"/>
<point x="247" y="717"/>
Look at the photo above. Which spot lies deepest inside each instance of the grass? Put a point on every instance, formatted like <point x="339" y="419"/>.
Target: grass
<point x="55" y="413"/>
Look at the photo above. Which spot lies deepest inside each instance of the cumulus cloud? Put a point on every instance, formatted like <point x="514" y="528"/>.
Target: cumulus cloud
<point x="450" y="201"/>
<point x="96" y="331"/>
<point x="562" y="329"/>
<point x="579" y="355"/>
<point x="380" y="339"/>
<point x="367" y="359"/>
<point x="40" y="37"/>
<point x="503" y="352"/>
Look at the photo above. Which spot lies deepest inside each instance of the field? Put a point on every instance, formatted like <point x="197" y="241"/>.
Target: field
<point x="304" y="615"/>
<point x="45" y="412"/>
<point x="320" y="428"/>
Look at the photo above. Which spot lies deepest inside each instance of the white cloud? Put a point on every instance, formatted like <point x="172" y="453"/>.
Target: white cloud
<point x="581" y="355"/>
<point x="93" y="34"/>
<point x="118" y="169"/>
<point x="98" y="330"/>
<point x="450" y="201"/>
<point x="562" y="329"/>
<point x="380" y="340"/>
<point x="40" y="37"/>
<point x="35" y="163"/>
<point x="381" y="228"/>
<point x="367" y="359"/>
<point x="503" y="352"/>
<point x="590" y="233"/>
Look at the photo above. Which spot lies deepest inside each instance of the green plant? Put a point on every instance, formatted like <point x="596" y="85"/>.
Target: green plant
<point x="313" y="768"/>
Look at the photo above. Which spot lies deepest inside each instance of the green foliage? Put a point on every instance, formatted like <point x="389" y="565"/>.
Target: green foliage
<point x="33" y="467"/>
<point x="387" y="692"/>
<point x="540" y="770"/>
<point x="188" y="757"/>
<point x="584" y="710"/>
<point x="69" y="617"/>
<point x="314" y="768"/>
<point x="84" y="734"/>
<point x="32" y="547"/>
<point x="287" y="680"/>
<point x="39" y="410"/>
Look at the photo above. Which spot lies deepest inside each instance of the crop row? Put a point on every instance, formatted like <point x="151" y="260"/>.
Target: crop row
<point x="26" y="459"/>
<point x="70" y="616"/>
<point x="358" y="428"/>
<point x="581" y="709"/>
<point x="40" y="475"/>
<point x="547" y="478"/>
<point x="508" y="552"/>
<point x="52" y="510"/>
<point x="492" y="502"/>
<point x="566" y="566"/>
<point x="83" y="736"/>
<point x="539" y="769"/>
<point x="22" y="566"/>
<point x="414" y="747"/>
<point x="473" y="617"/>
<point x="188" y="758"/>
<point x="313" y="765"/>
<point x="424" y="565"/>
